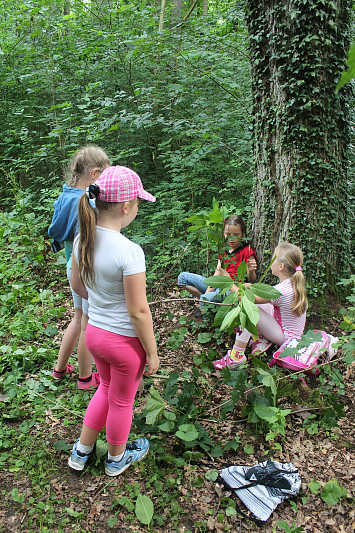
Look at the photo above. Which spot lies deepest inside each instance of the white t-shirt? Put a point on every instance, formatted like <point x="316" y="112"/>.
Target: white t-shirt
<point x="292" y="325"/>
<point x="115" y="256"/>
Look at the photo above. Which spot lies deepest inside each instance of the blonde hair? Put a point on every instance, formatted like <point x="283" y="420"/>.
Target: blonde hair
<point x="84" y="160"/>
<point x="291" y="256"/>
<point x="86" y="245"/>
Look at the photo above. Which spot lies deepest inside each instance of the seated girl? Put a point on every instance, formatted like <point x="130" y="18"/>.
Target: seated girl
<point x="234" y="233"/>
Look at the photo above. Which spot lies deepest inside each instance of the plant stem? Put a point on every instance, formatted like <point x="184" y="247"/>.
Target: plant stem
<point x="268" y="267"/>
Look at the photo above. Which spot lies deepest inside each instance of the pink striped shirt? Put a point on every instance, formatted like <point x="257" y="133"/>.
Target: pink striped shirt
<point x="292" y="325"/>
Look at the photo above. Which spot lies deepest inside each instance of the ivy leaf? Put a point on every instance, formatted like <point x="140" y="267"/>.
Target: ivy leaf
<point x="144" y="509"/>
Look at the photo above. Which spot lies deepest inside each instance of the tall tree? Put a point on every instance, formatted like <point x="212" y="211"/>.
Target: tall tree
<point x="301" y="131"/>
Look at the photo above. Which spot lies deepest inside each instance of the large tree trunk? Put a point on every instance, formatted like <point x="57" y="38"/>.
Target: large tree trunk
<point x="301" y="131"/>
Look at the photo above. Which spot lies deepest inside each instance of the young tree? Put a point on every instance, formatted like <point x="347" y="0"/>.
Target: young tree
<point x="301" y="131"/>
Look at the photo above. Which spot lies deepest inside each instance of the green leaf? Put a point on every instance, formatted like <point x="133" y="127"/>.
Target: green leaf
<point x="332" y="493"/>
<point x="187" y="432"/>
<point x="349" y="74"/>
<point x="242" y="271"/>
<point x="211" y="475"/>
<point x="266" y="412"/>
<point x="101" y="448"/>
<point x="314" y="486"/>
<point x="111" y="522"/>
<point x="249" y="449"/>
<point x="154" y="407"/>
<point x="267" y="292"/>
<point x="250" y="309"/>
<point x="63" y="446"/>
<point x="230" y="318"/>
<point x="144" y="509"/>
<point x="219" y="282"/>
<point x="231" y="298"/>
<point x="204" y="337"/>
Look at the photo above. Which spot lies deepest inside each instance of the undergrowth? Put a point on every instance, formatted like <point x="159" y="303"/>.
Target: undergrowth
<point x="183" y="416"/>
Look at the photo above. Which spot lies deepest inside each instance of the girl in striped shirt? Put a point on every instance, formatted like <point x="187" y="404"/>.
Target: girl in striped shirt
<point x="288" y="317"/>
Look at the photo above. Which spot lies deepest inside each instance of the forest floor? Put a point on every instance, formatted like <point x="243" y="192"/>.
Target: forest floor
<point x="50" y="497"/>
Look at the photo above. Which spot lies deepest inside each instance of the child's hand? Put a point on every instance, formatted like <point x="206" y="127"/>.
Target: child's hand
<point x="223" y="272"/>
<point x="247" y="285"/>
<point x="251" y="264"/>
<point x="152" y="362"/>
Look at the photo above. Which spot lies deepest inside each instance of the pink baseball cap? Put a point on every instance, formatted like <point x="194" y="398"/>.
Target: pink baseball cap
<point x="121" y="184"/>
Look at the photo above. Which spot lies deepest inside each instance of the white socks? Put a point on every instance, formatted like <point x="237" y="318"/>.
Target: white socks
<point x="115" y="458"/>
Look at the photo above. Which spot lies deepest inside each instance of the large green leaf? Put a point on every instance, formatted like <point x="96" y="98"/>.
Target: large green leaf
<point x="267" y="292"/>
<point x="154" y="406"/>
<point x="219" y="282"/>
<point x="144" y="509"/>
<point x="265" y="412"/>
<point x="250" y="309"/>
<point x="242" y="271"/>
<point x="333" y="492"/>
<point x="231" y="298"/>
<point x="230" y="318"/>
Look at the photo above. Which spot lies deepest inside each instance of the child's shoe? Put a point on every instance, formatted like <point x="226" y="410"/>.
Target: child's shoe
<point x="260" y="345"/>
<point x="78" y="460"/>
<point x="332" y="350"/>
<point x="228" y="362"/>
<point x="93" y="382"/>
<point x="135" y="451"/>
<point x="59" y="375"/>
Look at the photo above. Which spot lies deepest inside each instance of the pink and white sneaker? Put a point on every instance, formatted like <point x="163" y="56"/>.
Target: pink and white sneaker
<point x="59" y="375"/>
<point x="94" y="382"/>
<point x="260" y="345"/>
<point x="228" y="362"/>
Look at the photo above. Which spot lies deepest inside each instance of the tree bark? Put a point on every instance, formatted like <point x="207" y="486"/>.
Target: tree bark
<point x="301" y="132"/>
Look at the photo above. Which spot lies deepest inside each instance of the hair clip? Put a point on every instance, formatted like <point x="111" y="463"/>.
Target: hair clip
<point x="93" y="191"/>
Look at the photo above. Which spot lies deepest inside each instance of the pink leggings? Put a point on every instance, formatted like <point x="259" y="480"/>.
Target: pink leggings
<point x="120" y="362"/>
<point x="266" y="326"/>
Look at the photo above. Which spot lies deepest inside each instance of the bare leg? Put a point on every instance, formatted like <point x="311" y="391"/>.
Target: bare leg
<point x="88" y="437"/>
<point x="84" y="356"/>
<point x="192" y="290"/>
<point x="69" y="341"/>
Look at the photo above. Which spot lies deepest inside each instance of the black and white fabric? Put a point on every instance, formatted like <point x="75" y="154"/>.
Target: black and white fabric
<point x="262" y="487"/>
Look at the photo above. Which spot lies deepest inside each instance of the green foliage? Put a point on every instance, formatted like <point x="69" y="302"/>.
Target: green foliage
<point x="301" y="135"/>
<point x="144" y="509"/>
<point x="332" y="492"/>
<point x="349" y="74"/>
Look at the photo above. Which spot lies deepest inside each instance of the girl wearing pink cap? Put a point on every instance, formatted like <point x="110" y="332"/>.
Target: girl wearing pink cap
<point x="289" y="309"/>
<point x="109" y="270"/>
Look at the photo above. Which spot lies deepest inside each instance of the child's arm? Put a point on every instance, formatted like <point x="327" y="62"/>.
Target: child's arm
<point x="216" y="273"/>
<point x="76" y="281"/>
<point x="141" y="318"/>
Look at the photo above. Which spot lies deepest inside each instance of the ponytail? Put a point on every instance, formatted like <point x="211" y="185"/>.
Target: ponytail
<point x="299" y="285"/>
<point x="292" y="257"/>
<point x="86" y="248"/>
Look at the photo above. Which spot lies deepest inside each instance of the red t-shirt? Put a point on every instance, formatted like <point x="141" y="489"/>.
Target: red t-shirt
<point x="232" y="260"/>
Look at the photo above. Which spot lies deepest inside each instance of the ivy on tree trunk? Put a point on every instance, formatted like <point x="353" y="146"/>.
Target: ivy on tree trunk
<point x="301" y="132"/>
